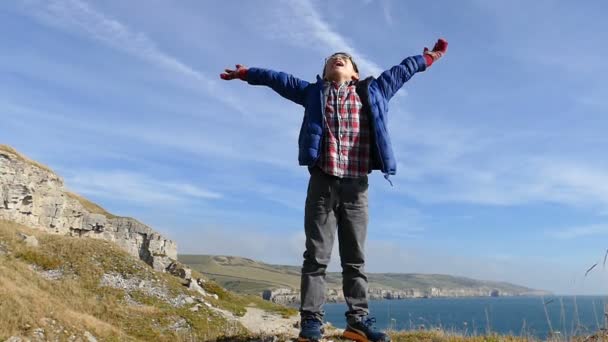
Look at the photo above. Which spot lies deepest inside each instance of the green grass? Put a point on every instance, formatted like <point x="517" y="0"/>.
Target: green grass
<point x="42" y="260"/>
<point x="248" y="276"/>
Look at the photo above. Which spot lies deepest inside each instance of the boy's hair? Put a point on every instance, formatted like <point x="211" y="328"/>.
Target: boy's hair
<point x="341" y="54"/>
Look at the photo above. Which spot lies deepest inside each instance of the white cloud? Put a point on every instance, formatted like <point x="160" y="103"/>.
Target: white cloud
<point x="386" y="11"/>
<point x="301" y="24"/>
<point x="508" y="180"/>
<point x="218" y="142"/>
<point x="581" y="231"/>
<point x="444" y="162"/>
<point x="128" y="186"/>
<point x="76" y="16"/>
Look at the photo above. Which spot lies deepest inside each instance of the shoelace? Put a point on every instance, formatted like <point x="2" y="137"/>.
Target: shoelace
<point x="370" y="322"/>
<point x="311" y="323"/>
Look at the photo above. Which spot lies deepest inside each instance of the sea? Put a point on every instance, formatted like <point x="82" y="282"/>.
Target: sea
<point x="471" y="316"/>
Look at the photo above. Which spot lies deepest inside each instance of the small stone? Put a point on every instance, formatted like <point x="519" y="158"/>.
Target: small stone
<point x="178" y="269"/>
<point x="52" y="275"/>
<point x="39" y="334"/>
<point x="3" y="249"/>
<point x="180" y="325"/>
<point x="89" y="337"/>
<point x="29" y="240"/>
<point x="194" y="286"/>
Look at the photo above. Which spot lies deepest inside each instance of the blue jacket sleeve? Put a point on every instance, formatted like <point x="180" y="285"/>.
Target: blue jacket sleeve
<point x="390" y="81"/>
<point x="286" y="85"/>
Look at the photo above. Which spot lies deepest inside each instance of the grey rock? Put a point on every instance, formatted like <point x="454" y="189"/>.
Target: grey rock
<point x="3" y="249"/>
<point x="194" y="286"/>
<point x="284" y="296"/>
<point x="180" y="325"/>
<point x="51" y="274"/>
<point x="29" y="240"/>
<point x="195" y="308"/>
<point x="180" y="270"/>
<point x="181" y="300"/>
<point x="36" y="197"/>
<point x="38" y="335"/>
<point x="160" y="263"/>
<point x="149" y="288"/>
<point x="89" y="337"/>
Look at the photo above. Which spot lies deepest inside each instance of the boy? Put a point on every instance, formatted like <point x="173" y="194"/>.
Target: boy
<point x="343" y="138"/>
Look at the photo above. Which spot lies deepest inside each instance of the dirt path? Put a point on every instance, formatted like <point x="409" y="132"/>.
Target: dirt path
<point x="260" y="321"/>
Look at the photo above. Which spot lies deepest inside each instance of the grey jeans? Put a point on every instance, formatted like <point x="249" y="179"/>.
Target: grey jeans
<point x="334" y="204"/>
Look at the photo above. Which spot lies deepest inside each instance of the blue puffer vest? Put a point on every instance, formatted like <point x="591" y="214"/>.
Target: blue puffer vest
<point x="375" y="94"/>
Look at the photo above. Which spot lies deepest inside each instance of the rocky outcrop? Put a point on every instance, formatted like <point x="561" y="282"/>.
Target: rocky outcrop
<point x="33" y="195"/>
<point x="283" y="296"/>
<point x="381" y="293"/>
<point x="287" y="296"/>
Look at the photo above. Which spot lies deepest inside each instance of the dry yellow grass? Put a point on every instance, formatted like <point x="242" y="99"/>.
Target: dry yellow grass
<point x="90" y="206"/>
<point x="76" y="303"/>
<point x="23" y="158"/>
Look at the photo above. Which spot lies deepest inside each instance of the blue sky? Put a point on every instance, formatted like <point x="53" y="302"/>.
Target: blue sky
<point x="501" y="174"/>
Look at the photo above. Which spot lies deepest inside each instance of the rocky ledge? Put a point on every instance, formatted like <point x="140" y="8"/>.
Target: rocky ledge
<point x="33" y="195"/>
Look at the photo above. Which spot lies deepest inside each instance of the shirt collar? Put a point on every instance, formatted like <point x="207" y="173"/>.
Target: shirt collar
<point x="347" y="83"/>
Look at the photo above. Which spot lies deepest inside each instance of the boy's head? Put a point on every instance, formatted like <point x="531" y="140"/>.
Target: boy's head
<point x="340" y="67"/>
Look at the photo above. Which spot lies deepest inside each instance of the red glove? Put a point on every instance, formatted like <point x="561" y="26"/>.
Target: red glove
<point x="240" y="72"/>
<point x="440" y="48"/>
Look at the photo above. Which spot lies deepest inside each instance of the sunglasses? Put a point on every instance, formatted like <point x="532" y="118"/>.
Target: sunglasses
<point x="342" y="55"/>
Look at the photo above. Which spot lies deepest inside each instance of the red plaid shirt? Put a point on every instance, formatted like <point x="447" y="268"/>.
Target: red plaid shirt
<point x="346" y="140"/>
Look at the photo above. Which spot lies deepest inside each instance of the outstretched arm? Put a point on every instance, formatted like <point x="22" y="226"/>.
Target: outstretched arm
<point x="390" y="81"/>
<point x="286" y="85"/>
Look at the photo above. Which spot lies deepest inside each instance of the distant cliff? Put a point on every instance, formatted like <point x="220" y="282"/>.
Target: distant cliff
<point x="33" y="195"/>
<point x="288" y="296"/>
<point x="280" y="283"/>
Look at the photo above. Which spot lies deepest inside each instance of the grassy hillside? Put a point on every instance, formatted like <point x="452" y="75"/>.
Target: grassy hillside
<point x="75" y="287"/>
<point x="243" y="275"/>
<point x="249" y="276"/>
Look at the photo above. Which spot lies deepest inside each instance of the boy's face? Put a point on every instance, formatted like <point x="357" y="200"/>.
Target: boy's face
<point x="339" y="67"/>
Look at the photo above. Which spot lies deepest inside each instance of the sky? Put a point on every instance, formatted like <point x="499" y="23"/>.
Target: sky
<point x="500" y="144"/>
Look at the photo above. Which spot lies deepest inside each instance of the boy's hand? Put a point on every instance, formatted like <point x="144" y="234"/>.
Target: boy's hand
<point x="440" y="48"/>
<point x="240" y="72"/>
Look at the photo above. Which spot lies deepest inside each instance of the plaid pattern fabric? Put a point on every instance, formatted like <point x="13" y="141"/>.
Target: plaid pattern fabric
<point x="346" y="150"/>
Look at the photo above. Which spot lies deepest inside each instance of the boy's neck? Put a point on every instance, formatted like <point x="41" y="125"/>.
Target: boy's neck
<point x="340" y="80"/>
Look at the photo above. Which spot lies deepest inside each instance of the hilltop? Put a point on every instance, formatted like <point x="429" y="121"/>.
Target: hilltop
<point x="253" y="277"/>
